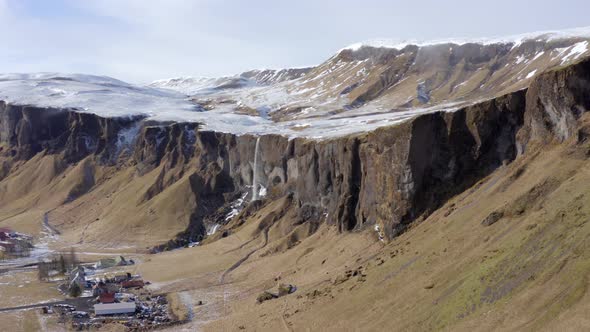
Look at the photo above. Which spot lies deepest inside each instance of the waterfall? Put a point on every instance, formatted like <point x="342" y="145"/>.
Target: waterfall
<point x="255" y="172"/>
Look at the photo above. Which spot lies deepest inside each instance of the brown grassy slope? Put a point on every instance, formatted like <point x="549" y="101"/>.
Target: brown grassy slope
<point x="112" y="214"/>
<point x="527" y="271"/>
<point x="95" y="206"/>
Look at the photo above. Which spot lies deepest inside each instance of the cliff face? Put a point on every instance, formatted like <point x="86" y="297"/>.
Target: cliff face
<point x="388" y="177"/>
<point x="28" y="130"/>
<point x="392" y="175"/>
<point x="556" y="101"/>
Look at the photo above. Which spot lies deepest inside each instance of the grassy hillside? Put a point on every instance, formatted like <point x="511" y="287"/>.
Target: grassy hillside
<point x="526" y="271"/>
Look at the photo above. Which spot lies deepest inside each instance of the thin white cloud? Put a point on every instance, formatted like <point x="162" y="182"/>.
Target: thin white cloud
<point x="142" y="40"/>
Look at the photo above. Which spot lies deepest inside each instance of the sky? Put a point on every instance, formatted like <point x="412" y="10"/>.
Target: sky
<point x="143" y="40"/>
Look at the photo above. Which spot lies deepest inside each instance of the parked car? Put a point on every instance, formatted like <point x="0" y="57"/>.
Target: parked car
<point x="80" y="314"/>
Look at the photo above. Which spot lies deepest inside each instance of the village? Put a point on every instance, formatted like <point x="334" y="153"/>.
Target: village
<point x="95" y="293"/>
<point x="14" y="244"/>
<point x="104" y="292"/>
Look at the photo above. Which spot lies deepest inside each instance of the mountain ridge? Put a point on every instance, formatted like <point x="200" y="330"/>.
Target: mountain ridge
<point x="353" y="91"/>
<point x="450" y="208"/>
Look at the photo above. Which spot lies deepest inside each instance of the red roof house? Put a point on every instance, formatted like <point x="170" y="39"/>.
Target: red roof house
<point x="106" y="297"/>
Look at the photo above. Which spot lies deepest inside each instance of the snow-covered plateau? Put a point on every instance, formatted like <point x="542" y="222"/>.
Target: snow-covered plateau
<point x="370" y="85"/>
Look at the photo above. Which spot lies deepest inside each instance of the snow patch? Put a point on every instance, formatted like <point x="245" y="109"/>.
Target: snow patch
<point x="213" y="229"/>
<point x="516" y="40"/>
<point x="575" y="52"/>
<point x="538" y="55"/>
<point x="217" y="103"/>
<point x="236" y="207"/>
<point x="126" y="138"/>
<point x="531" y="74"/>
<point x="262" y="191"/>
<point x="379" y="233"/>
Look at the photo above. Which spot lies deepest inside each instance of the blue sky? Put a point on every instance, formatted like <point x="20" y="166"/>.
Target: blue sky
<point x="143" y="40"/>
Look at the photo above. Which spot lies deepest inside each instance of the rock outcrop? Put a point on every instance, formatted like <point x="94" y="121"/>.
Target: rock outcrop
<point x="556" y="100"/>
<point x="28" y="130"/>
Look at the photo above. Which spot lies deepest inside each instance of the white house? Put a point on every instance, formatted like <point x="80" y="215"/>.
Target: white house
<point x="114" y="308"/>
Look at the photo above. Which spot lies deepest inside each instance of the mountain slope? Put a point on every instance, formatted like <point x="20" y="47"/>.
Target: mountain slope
<point x="527" y="271"/>
<point x="443" y="212"/>
<point x="367" y="79"/>
<point x="509" y="253"/>
<point x="357" y="90"/>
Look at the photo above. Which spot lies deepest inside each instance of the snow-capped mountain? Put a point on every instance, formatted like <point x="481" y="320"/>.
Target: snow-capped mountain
<point x="361" y="87"/>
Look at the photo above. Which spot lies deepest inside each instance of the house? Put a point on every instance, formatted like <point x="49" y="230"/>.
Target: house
<point x="121" y="277"/>
<point x="5" y="239"/>
<point x="114" y="308"/>
<point x="8" y="246"/>
<point x="103" y="287"/>
<point x="136" y="283"/>
<point x="106" y="297"/>
<point x="14" y="244"/>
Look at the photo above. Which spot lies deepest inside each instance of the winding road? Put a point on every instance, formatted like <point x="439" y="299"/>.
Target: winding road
<point x="51" y="230"/>
<point x="81" y="303"/>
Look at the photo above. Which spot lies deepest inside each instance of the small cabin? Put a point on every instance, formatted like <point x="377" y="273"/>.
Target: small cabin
<point x="136" y="283"/>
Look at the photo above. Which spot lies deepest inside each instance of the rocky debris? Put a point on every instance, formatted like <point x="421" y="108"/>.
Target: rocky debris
<point x="283" y="289"/>
<point x="533" y="198"/>
<point x="492" y="218"/>
<point x="317" y="293"/>
<point x="429" y="286"/>
<point x="397" y="251"/>
<point x="450" y="209"/>
<point x="265" y="296"/>
<point x="348" y="274"/>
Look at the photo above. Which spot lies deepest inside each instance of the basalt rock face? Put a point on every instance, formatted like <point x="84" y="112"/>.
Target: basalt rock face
<point x="386" y="177"/>
<point x="411" y="169"/>
<point x="555" y="102"/>
<point x="28" y="130"/>
<point x="392" y="175"/>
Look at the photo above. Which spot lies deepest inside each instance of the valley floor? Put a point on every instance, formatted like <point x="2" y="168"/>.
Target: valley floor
<point x="526" y="270"/>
